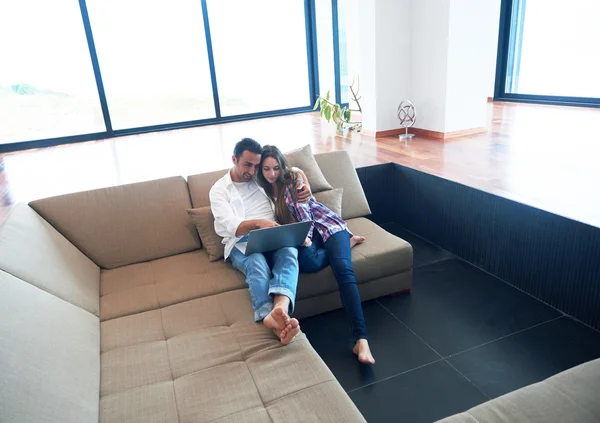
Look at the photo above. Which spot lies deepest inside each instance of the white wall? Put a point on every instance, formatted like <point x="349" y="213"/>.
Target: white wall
<point x="429" y="61"/>
<point x="490" y="14"/>
<point x="467" y="77"/>
<point x="385" y="51"/>
<point x="440" y="54"/>
<point x="393" y="51"/>
<point x="368" y="60"/>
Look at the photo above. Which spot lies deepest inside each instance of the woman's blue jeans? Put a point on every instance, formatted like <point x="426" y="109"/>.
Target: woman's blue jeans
<point x="336" y="251"/>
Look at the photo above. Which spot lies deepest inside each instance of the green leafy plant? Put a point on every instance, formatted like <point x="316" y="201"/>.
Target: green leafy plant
<point x="341" y="116"/>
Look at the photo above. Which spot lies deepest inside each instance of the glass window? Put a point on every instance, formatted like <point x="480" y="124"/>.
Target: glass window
<point x="325" y="48"/>
<point x="555" y="48"/>
<point x="153" y="60"/>
<point x="47" y="84"/>
<point x="260" y="55"/>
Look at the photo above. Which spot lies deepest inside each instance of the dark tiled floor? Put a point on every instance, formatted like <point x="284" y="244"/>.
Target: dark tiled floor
<point x="424" y="252"/>
<point x="460" y="337"/>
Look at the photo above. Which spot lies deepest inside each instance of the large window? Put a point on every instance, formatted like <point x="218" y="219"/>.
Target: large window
<point x="551" y="51"/>
<point x="153" y="60"/>
<point x="260" y="55"/>
<point x="75" y="70"/>
<point x="47" y="85"/>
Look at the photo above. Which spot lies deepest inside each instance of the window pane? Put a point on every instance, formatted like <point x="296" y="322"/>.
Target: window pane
<point x="260" y="54"/>
<point x="560" y="53"/>
<point x="153" y="60"/>
<point x="325" y="47"/>
<point x="343" y="40"/>
<point x="47" y="85"/>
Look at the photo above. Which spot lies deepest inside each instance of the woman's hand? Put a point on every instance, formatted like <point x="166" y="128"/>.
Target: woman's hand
<point x="307" y="242"/>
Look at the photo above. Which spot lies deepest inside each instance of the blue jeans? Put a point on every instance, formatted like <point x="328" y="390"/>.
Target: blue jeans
<point x="336" y="251"/>
<point x="268" y="274"/>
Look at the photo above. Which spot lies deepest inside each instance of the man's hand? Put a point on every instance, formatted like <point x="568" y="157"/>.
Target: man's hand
<point x="304" y="193"/>
<point x="263" y="223"/>
<point x="249" y="225"/>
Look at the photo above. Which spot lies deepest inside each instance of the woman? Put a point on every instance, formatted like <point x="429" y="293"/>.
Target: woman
<point x="328" y="242"/>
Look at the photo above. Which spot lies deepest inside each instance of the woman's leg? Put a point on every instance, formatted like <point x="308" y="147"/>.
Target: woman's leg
<point x="338" y="249"/>
<point x="313" y="258"/>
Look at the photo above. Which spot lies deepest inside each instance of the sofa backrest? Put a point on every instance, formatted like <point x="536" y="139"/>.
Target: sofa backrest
<point x="125" y="224"/>
<point x="49" y="357"/>
<point x="35" y="252"/>
<point x="200" y="186"/>
<point x="336" y="166"/>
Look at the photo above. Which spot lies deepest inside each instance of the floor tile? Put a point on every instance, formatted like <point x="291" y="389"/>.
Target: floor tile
<point x="423" y="395"/>
<point x="454" y="306"/>
<point x="529" y="356"/>
<point x="424" y="251"/>
<point x="394" y="347"/>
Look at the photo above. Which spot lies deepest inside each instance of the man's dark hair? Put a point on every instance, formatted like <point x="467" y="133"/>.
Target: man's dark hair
<point x="246" y="144"/>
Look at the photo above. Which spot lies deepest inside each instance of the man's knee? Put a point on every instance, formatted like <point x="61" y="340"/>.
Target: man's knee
<point x="287" y="252"/>
<point x="256" y="262"/>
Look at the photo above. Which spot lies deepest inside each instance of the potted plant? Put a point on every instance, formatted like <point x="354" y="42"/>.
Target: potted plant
<point x="341" y="115"/>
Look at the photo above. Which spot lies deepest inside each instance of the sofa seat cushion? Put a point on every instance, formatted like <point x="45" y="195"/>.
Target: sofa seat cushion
<point x="49" y="357"/>
<point x="150" y="285"/>
<point x="381" y="255"/>
<point x="205" y="360"/>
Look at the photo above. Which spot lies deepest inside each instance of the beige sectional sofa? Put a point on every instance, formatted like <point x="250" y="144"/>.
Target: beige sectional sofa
<point x="111" y="311"/>
<point x="570" y="396"/>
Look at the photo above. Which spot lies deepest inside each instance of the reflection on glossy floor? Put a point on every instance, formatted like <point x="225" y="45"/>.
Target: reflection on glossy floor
<point x="544" y="156"/>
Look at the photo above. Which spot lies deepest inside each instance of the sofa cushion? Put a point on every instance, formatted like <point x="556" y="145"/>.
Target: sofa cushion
<point x="340" y="173"/>
<point x="571" y="396"/>
<point x="381" y="255"/>
<point x="147" y="286"/>
<point x="304" y="159"/>
<point x="150" y="403"/>
<point x="49" y="357"/>
<point x="208" y="359"/>
<point x="35" y="252"/>
<point x="581" y="384"/>
<point x="205" y="225"/>
<point x="126" y="224"/>
<point x="331" y="199"/>
<point x="200" y="186"/>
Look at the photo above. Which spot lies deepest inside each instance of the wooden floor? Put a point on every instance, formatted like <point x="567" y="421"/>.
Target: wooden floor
<point x="544" y="156"/>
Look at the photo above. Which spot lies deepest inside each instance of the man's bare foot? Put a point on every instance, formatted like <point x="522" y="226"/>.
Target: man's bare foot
<point x="277" y="319"/>
<point x="284" y="327"/>
<point x="356" y="239"/>
<point x="290" y="331"/>
<point x="361" y="349"/>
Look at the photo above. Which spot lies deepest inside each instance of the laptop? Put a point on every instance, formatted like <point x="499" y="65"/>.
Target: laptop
<point x="270" y="239"/>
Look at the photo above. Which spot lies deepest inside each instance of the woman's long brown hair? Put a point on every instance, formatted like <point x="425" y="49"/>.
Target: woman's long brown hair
<point x="286" y="179"/>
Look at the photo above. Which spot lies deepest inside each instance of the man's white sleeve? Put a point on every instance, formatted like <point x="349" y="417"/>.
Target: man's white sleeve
<point x="226" y="221"/>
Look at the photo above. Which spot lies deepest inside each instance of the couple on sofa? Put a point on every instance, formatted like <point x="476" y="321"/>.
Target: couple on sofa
<point x="261" y="191"/>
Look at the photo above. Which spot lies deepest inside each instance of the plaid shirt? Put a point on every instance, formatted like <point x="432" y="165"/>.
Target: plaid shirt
<point x="324" y="220"/>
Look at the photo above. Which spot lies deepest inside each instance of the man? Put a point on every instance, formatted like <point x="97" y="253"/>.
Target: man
<point x="240" y="205"/>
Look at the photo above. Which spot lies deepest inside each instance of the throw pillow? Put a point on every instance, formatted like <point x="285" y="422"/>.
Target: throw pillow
<point x="205" y="225"/>
<point x="305" y="160"/>
<point x="331" y="199"/>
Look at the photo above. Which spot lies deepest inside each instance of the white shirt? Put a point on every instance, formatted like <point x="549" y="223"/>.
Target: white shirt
<point x="255" y="201"/>
<point x="230" y="207"/>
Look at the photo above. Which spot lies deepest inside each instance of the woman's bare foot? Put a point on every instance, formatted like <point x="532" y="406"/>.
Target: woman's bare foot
<point x="356" y="239"/>
<point x="284" y="327"/>
<point x="361" y="349"/>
